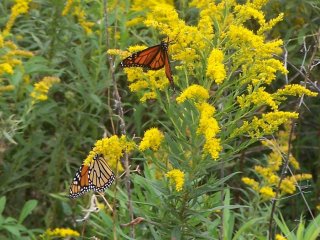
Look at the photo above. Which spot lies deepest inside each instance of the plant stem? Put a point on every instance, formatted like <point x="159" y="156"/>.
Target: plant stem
<point x="118" y="107"/>
<point x="307" y="70"/>
<point x="283" y="174"/>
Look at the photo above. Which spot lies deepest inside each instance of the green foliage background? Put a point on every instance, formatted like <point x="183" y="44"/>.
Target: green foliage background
<point x="42" y="146"/>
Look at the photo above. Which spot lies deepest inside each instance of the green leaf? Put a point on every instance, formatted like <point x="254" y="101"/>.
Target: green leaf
<point x="300" y="231"/>
<point x="246" y="226"/>
<point x="12" y="229"/>
<point x="2" y="204"/>
<point x="27" y="209"/>
<point x="9" y="137"/>
<point x="313" y="229"/>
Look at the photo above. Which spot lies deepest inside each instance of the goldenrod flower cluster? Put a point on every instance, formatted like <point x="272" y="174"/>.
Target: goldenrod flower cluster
<point x="269" y="175"/>
<point x="67" y="7"/>
<point x="209" y="128"/>
<point x="208" y="125"/>
<point x="152" y="139"/>
<point x="176" y="177"/>
<point x="10" y="57"/>
<point x="259" y="96"/>
<point x="195" y="92"/>
<point x="20" y="7"/>
<point x="79" y="13"/>
<point x="41" y="89"/>
<point x="266" y="125"/>
<point x="61" y="232"/>
<point x="216" y="69"/>
<point x="112" y="149"/>
<point x="140" y="5"/>
<point x="280" y="237"/>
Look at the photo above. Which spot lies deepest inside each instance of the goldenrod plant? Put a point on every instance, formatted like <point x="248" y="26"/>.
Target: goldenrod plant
<point x="217" y="157"/>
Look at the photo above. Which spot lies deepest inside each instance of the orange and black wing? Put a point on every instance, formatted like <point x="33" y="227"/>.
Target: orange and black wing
<point x="145" y="58"/>
<point x="100" y="174"/>
<point x="97" y="177"/>
<point x="167" y="68"/>
<point x="152" y="58"/>
<point x="80" y="183"/>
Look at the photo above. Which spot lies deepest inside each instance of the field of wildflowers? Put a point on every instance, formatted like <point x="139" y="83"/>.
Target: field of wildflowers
<point x="232" y="152"/>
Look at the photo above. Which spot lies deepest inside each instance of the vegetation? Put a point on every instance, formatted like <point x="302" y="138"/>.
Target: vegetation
<point x="231" y="153"/>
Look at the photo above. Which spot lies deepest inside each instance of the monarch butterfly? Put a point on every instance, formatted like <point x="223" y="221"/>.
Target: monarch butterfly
<point x="97" y="177"/>
<point x="152" y="58"/>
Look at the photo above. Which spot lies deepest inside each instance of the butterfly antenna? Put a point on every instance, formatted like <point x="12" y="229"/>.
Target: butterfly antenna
<point x="172" y="41"/>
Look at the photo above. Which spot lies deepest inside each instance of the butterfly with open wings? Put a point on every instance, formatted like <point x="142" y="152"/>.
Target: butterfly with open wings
<point x="98" y="176"/>
<point x="152" y="58"/>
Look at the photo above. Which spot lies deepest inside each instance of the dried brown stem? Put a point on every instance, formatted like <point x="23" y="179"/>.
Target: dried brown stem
<point x="285" y="165"/>
<point x="118" y="107"/>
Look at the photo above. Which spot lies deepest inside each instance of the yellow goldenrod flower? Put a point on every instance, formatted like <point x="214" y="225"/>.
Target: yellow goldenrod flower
<point x="136" y="48"/>
<point x="149" y="95"/>
<point x="195" y="92"/>
<point x="280" y="237"/>
<point x="9" y="44"/>
<point x="251" y="182"/>
<point x="118" y="52"/>
<point x="135" y="21"/>
<point x="267" y="124"/>
<point x="263" y="71"/>
<point x="5" y="68"/>
<point x="61" y="232"/>
<point x="112" y="149"/>
<point x="146" y="82"/>
<point x="294" y="163"/>
<point x="288" y="186"/>
<point x="41" y="88"/>
<point x="20" y="53"/>
<point x="267" y="193"/>
<point x="188" y="40"/>
<point x="67" y="7"/>
<point x="273" y="179"/>
<point x="1" y="41"/>
<point x="20" y="7"/>
<point x="139" y="5"/>
<point x="263" y="171"/>
<point x="208" y="125"/>
<point x="269" y="174"/>
<point x="258" y="4"/>
<point x="209" y="128"/>
<point x="204" y="25"/>
<point x="26" y="79"/>
<point x="246" y="39"/>
<point x="301" y="177"/>
<point x="81" y="16"/>
<point x="274" y="161"/>
<point x="258" y="98"/>
<point x="152" y="139"/>
<point x="246" y="12"/>
<point x="9" y="55"/>
<point x="7" y="88"/>
<point x="215" y="69"/>
<point x="213" y="147"/>
<point x="269" y="25"/>
<point x="176" y="176"/>
<point x="293" y="90"/>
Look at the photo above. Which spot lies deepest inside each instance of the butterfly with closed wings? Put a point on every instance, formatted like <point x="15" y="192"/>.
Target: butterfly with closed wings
<point x="152" y="58"/>
<point x="98" y="176"/>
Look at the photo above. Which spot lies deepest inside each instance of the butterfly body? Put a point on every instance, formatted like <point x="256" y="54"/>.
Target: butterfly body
<point x="97" y="177"/>
<point x="152" y="58"/>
